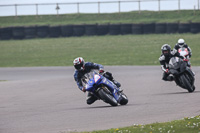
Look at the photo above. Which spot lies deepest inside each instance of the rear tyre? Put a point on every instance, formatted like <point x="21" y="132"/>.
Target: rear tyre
<point x="186" y="83"/>
<point x="107" y="97"/>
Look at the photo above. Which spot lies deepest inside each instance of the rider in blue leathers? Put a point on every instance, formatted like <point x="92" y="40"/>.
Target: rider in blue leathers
<point x="82" y="68"/>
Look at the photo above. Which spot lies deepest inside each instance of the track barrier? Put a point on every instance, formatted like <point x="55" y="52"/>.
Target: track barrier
<point x="160" y="28"/>
<point x="137" y="28"/>
<point x="91" y="30"/>
<point x="42" y="31"/>
<point x="172" y="27"/>
<point x="28" y="32"/>
<point x="67" y="30"/>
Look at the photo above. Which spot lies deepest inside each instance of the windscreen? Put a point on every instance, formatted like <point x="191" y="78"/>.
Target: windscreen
<point x="174" y="63"/>
<point x="87" y="77"/>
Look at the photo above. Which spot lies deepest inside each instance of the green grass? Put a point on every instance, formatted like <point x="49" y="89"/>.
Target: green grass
<point x="186" y="125"/>
<point x="128" y="17"/>
<point x="106" y="50"/>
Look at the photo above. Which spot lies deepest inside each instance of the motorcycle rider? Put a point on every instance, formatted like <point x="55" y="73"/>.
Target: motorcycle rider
<point x="181" y="44"/>
<point x="83" y="68"/>
<point x="164" y="59"/>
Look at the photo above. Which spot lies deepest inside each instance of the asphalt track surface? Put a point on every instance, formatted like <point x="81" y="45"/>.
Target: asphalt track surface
<point x="47" y="100"/>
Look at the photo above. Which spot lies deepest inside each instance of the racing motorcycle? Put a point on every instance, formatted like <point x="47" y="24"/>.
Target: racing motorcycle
<point x="104" y="89"/>
<point x="183" y="76"/>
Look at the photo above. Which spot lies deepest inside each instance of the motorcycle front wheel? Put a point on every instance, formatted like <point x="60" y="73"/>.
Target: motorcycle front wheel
<point x="106" y="97"/>
<point x="186" y="83"/>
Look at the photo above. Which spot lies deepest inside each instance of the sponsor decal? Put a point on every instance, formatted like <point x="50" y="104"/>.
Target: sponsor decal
<point x="96" y="78"/>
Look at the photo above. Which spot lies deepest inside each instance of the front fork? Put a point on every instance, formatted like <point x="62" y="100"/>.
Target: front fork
<point x="115" y="93"/>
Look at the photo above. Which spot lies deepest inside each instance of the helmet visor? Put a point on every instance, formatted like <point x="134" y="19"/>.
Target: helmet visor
<point x="165" y="52"/>
<point x="78" y="67"/>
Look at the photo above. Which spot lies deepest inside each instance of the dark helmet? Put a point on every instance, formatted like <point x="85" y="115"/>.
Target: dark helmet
<point x="79" y="63"/>
<point x="166" y="49"/>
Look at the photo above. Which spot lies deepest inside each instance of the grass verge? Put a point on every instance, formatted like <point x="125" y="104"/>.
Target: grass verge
<point x="126" y="17"/>
<point x="106" y="50"/>
<point x="186" y="125"/>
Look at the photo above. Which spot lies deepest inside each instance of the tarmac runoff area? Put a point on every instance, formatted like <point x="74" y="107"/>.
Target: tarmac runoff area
<point x="47" y="100"/>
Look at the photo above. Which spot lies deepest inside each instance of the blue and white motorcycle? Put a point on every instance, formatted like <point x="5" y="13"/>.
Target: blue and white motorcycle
<point x="104" y="89"/>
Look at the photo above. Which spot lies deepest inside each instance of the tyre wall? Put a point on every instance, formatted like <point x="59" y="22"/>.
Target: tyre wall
<point x="149" y="28"/>
<point x="137" y="28"/>
<point x="78" y="30"/>
<point x="28" y="32"/>
<point x="102" y="29"/>
<point x="6" y="33"/>
<point x="172" y="27"/>
<point x="160" y="28"/>
<point x="54" y="31"/>
<point x="126" y="29"/>
<point x="115" y="29"/>
<point x="91" y="30"/>
<point x="42" y="31"/>
<point x="18" y="33"/>
<point x="66" y="30"/>
<point x="183" y="28"/>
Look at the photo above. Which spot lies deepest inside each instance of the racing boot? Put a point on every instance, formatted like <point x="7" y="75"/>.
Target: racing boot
<point x="170" y="78"/>
<point x="193" y="87"/>
<point x="91" y="98"/>
<point x="117" y="84"/>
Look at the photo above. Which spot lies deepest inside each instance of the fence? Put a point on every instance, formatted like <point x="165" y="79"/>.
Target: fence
<point x="96" y="7"/>
<point x="95" y="29"/>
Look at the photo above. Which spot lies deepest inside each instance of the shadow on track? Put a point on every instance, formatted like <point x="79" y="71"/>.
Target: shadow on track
<point x="175" y="93"/>
<point x="105" y="106"/>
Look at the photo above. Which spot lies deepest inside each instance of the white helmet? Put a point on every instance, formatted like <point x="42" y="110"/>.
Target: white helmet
<point x="79" y="63"/>
<point x="181" y="42"/>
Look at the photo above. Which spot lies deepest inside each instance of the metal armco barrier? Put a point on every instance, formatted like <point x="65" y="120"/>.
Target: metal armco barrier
<point x="44" y="31"/>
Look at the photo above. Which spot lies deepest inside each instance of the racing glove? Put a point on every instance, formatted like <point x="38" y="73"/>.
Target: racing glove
<point x="167" y="71"/>
<point x="83" y="89"/>
<point x="101" y="71"/>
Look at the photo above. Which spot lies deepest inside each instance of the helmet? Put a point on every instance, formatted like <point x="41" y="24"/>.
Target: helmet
<point x="181" y="42"/>
<point x="166" y="49"/>
<point x="79" y="63"/>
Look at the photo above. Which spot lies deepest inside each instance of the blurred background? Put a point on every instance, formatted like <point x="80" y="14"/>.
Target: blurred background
<point x="45" y="7"/>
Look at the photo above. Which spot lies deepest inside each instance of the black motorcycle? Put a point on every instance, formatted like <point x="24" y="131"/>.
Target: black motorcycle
<point x="183" y="76"/>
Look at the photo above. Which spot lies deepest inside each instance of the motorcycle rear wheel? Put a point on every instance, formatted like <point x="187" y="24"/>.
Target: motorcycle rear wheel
<point x="124" y="99"/>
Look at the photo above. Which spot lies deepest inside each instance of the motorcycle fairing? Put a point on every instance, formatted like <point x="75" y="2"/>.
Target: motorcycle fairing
<point x="92" y="82"/>
<point x="97" y="80"/>
<point x="111" y="86"/>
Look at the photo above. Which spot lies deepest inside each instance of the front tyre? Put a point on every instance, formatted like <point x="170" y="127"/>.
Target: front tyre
<point x="186" y="84"/>
<point x="106" y="97"/>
